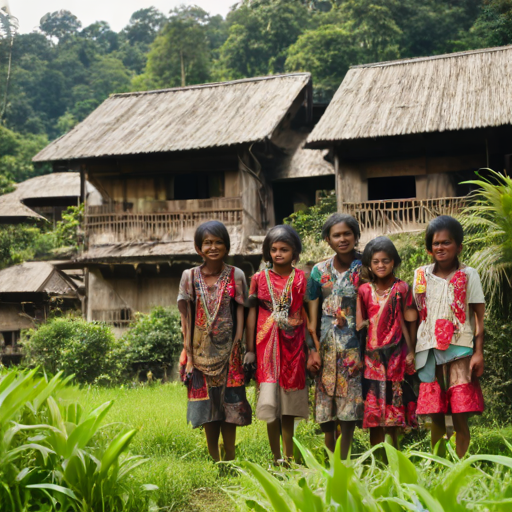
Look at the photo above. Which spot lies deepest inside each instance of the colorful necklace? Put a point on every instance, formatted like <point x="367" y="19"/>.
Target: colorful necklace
<point x="221" y="283"/>
<point x="281" y="304"/>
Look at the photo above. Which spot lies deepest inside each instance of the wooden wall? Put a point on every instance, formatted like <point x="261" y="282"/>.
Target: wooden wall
<point x="140" y="294"/>
<point x="432" y="174"/>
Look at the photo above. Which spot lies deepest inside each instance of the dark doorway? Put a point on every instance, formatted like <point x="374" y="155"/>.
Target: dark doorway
<point x="395" y="187"/>
<point x="198" y="185"/>
<point x="298" y="194"/>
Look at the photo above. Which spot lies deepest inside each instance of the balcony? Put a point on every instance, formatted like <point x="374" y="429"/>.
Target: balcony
<point x="401" y="215"/>
<point x="157" y="221"/>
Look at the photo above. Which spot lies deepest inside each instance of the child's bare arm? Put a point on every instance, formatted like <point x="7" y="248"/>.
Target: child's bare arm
<point x="361" y="323"/>
<point x="477" y="361"/>
<point x="313" y="321"/>
<point x="239" y="322"/>
<point x="186" y="318"/>
<point x="250" y="331"/>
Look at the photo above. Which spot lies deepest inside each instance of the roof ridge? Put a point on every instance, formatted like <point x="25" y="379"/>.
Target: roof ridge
<point x="412" y="60"/>
<point x="211" y="84"/>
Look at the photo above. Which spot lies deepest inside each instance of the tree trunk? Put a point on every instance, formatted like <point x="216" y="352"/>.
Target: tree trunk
<point x="183" y="79"/>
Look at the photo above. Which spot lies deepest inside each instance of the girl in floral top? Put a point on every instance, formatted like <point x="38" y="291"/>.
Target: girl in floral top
<point x="384" y="304"/>
<point x="449" y="349"/>
<point x="211" y="303"/>
<point x="338" y="395"/>
<point x="278" y="325"/>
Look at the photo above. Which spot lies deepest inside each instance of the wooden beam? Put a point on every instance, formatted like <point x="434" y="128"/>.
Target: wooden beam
<point x="423" y="165"/>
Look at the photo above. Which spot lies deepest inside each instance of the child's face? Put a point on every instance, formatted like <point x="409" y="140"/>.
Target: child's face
<point x="381" y="265"/>
<point x="444" y="247"/>
<point x="281" y="253"/>
<point x="213" y="248"/>
<point x="341" y="239"/>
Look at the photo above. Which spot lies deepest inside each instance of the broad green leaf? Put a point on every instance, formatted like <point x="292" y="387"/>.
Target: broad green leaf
<point x="430" y="502"/>
<point x="272" y="488"/>
<point x="116" y="447"/>
<point x="57" y="488"/>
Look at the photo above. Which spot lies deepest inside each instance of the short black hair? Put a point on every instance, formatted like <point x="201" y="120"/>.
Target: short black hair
<point x="453" y="226"/>
<point x="282" y="233"/>
<point x="338" y="218"/>
<point x="214" y="228"/>
<point x="380" y="244"/>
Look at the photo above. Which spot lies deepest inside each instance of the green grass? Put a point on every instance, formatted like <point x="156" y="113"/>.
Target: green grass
<point x="179" y="462"/>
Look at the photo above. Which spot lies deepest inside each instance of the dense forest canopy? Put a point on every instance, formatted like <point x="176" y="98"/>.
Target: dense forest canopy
<point x="54" y="77"/>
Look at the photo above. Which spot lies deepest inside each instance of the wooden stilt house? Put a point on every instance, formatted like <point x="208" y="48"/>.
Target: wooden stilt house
<point x="28" y="294"/>
<point x="406" y="133"/>
<point x="165" y="161"/>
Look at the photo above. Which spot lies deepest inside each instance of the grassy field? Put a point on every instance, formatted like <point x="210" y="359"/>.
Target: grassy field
<point x="179" y="463"/>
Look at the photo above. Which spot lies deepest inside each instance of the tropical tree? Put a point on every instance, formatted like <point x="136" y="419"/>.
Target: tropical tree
<point x="180" y="54"/>
<point x="489" y="222"/>
<point x="326" y="52"/>
<point x="8" y="29"/>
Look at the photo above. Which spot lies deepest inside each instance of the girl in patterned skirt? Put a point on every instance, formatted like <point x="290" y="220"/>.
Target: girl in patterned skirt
<point x="211" y="303"/>
<point x="332" y="288"/>
<point x="449" y="349"/>
<point x="277" y="322"/>
<point x="384" y="305"/>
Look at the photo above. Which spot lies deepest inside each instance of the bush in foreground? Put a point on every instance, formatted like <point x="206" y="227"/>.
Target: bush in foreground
<point x="52" y="457"/>
<point x="86" y="349"/>
<point x="430" y="483"/>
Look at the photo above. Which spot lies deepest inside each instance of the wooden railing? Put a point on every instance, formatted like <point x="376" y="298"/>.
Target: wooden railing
<point x="396" y="215"/>
<point x="115" y="317"/>
<point x="110" y="227"/>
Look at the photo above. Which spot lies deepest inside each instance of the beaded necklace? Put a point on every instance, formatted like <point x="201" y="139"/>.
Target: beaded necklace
<point x="221" y="284"/>
<point x="281" y="304"/>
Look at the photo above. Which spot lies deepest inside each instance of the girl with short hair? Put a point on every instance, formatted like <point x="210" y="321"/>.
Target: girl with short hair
<point x="211" y="304"/>
<point x="450" y="337"/>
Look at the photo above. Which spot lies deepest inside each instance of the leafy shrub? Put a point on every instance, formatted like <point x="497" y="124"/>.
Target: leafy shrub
<point x="309" y="222"/>
<point x="75" y="346"/>
<point x="412" y="480"/>
<point x="154" y="340"/>
<point x="51" y="456"/>
<point x="497" y="379"/>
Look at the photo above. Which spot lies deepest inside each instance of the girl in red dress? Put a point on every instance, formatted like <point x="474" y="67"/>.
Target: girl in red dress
<point x="277" y="322"/>
<point x="384" y="305"/>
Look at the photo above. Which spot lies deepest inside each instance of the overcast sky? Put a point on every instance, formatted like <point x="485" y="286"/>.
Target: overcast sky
<point x="116" y="12"/>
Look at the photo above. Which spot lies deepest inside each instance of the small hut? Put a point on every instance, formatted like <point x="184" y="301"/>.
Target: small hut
<point x="28" y="293"/>
<point x="165" y="161"/>
<point x="405" y="135"/>
<point x="43" y="197"/>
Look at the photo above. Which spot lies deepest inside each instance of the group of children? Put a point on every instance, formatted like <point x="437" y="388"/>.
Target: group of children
<point x="366" y="336"/>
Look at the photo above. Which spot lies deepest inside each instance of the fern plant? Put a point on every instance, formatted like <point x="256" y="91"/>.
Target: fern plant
<point x="488" y="222"/>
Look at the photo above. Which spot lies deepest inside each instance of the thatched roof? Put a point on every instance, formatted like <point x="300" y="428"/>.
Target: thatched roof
<point x="11" y="208"/>
<point x="57" y="184"/>
<point x="35" y="277"/>
<point x="185" y="118"/>
<point x="456" y="91"/>
<point x="300" y="162"/>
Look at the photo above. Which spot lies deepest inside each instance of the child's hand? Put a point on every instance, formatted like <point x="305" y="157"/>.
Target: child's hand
<point x="476" y="366"/>
<point x="250" y="357"/>
<point x="409" y="363"/>
<point x="314" y="362"/>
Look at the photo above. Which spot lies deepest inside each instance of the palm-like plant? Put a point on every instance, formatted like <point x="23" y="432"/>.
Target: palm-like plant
<point x="488" y="221"/>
